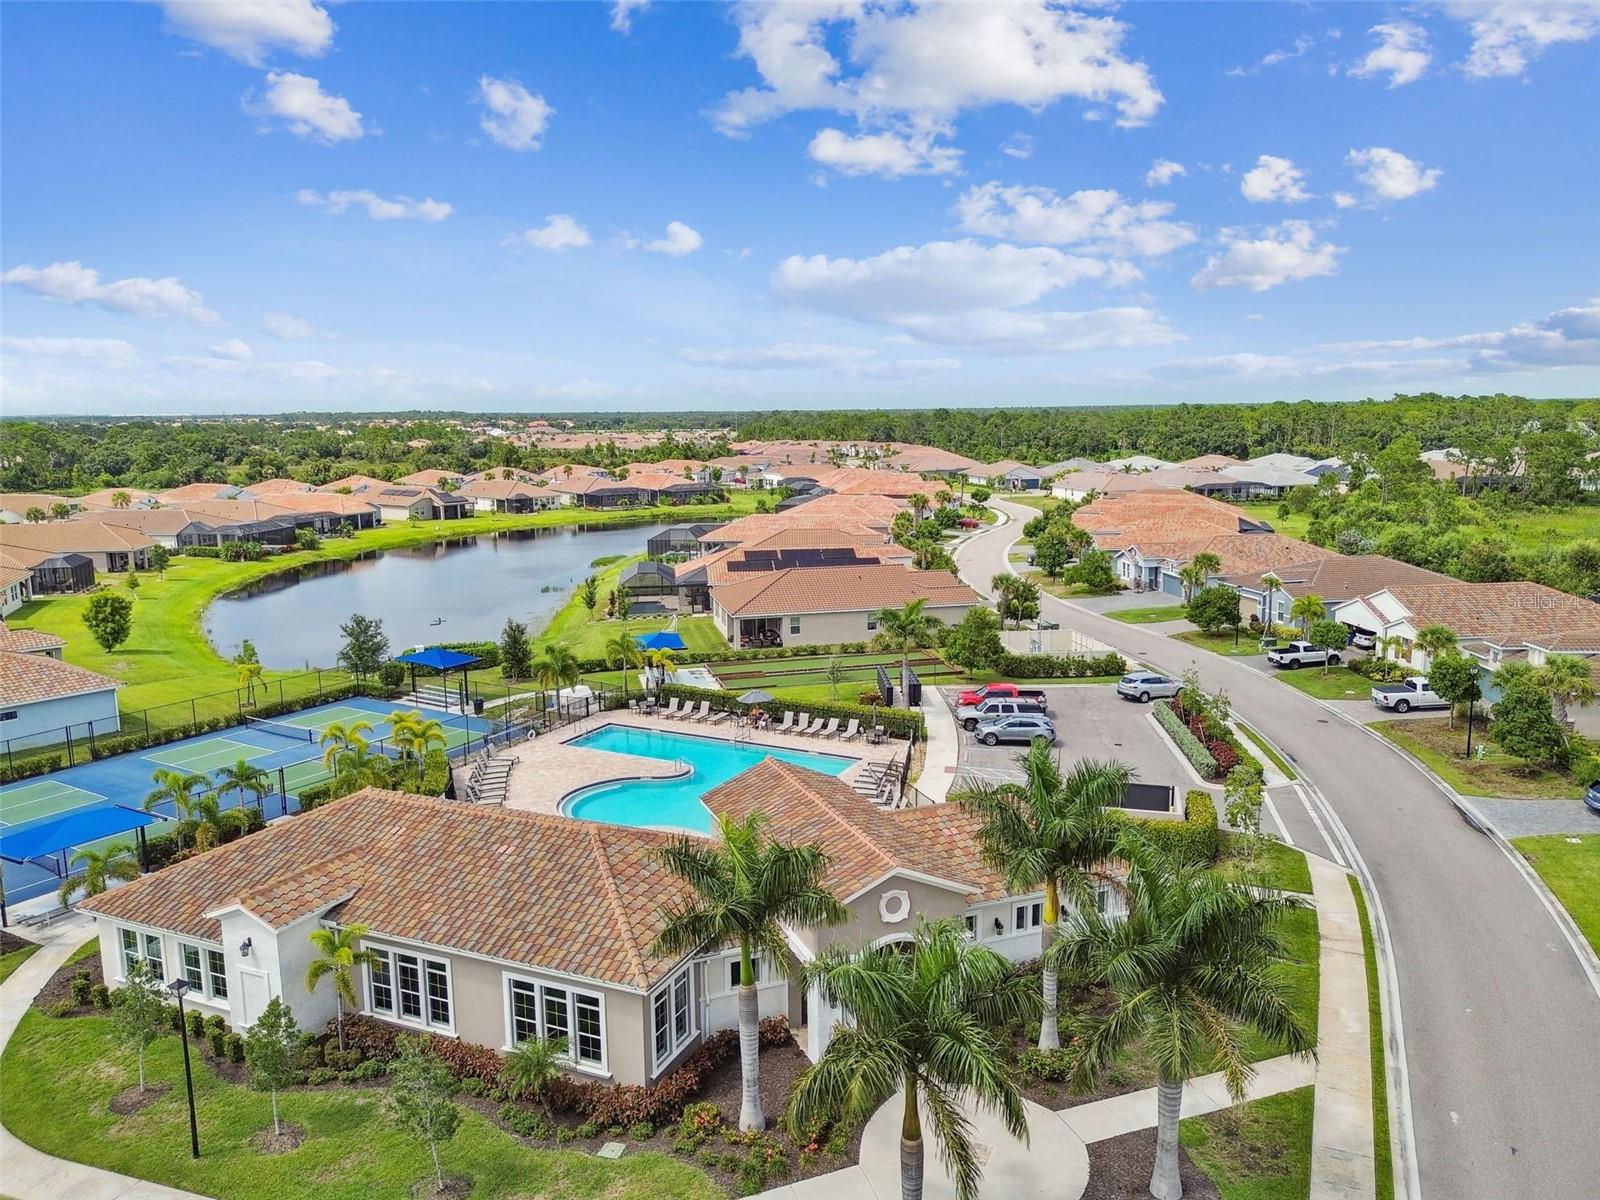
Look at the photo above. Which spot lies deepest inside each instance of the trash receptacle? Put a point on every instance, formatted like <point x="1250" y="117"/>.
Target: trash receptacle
<point x="477" y="706"/>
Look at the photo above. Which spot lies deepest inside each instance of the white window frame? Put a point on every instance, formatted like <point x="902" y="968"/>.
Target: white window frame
<point x="970" y="919"/>
<point x="794" y="626"/>
<point x="216" y="968"/>
<point x="159" y="959"/>
<point x="680" y="983"/>
<point x="733" y="973"/>
<point x="570" y="994"/>
<point x="129" y="953"/>
<point x="1027" y="917"/>
<point x="197" y="981"/>
<point x="423" y="1020"/>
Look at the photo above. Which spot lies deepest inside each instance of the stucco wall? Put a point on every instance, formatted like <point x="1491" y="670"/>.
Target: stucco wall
<point x="822" y="629"/>
<point x="41" y="723"/>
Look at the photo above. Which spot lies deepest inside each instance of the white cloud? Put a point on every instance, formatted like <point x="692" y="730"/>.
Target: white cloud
<point x="1289" y="251"/>
<point x="1508" y="35"/>
<point x="234" y="348"/>
<point x="74" y="283"/>
<point x="1344" y="200"/>
<point x="890" y="155"/>
<point x="400" y="208"/>
<point x="1163" y="171"/>
<point x="1566" y="337"/>
<point x="515" y="119"/>
<point x="1401" y="53"/>
<point x="560" y="231"/>
<point x="302" y="371"/>
<point x="247" y="30"/>
<point x="307" y="110"/>
<point x="1390" y="175"/>
<point x="622" y="13"/>
<point x="679" y="240"/>
<point x="1099" y="219"/>
<point x="1018" y="145"/>
<point x="112" y="353"/>
<point x="904" y="368"/>
<point x="780" y="356"/>
<point x="1009" y="331"/>
<point x="1272" y="58"/>
<point x="288" y="328"/>
<point x="1274" y="178"/>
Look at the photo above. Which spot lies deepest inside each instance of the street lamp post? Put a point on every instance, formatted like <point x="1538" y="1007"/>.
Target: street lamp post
<point x="178" y="987"/>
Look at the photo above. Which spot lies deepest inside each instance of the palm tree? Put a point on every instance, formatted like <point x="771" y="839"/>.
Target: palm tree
<point x="1568" y="680"/>
<point x="120" y="499"/>
<point x="1050" y="832"/>
<point x="100" y="867"/>
<point x="1271" y="583"/>
<point x="743" y="885"/>
<point x="1208" y="563"/>
<point x="1190" y="967"/>
<point x="904" y="630"/>
<point x="920" y="1018"/>
<point x="1390" y="646"/>
<point x="34" y="515"/>
<point x="1193" y="580"/>
<point x="413" y="735"/>
<point x="338" y="956"/>
<point x="339" y="738"/>
<point x="1306" y="609"/>
<point x="359" y="765"/>
<point x="621" y="650"/>
<point x="249" y="676"/>
<point x="176" y="788"/>
<point x="919" y="504"/>
<point x="1435" y="639"/>
<point x="205" y="819"/>
<point x="558" y="668"/>
<point x="242" y="777"/>
<point x="530" y="1068"/>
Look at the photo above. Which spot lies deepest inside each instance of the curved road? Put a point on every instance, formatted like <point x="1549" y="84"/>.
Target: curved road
<point x="1500" y="1022"/>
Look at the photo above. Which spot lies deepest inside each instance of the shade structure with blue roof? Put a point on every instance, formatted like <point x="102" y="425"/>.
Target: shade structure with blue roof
<point x="444" y="661"/>
<point x="77" y="827"/>
<point x="664" y="639"/>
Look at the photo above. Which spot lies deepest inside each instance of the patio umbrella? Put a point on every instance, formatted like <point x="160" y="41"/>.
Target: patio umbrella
<point x="756" y="696"/>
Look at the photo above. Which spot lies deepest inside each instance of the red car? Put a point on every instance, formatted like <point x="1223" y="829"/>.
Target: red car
<point x="991" y="691"/>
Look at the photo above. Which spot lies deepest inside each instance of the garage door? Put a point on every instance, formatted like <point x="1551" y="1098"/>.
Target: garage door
<point x="1171" y="584"/>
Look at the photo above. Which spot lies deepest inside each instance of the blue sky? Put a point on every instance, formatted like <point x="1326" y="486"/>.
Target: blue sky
<point x="215" y="206"/>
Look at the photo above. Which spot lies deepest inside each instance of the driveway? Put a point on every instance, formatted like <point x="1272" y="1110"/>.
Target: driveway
<point x="1500" y="1023"/>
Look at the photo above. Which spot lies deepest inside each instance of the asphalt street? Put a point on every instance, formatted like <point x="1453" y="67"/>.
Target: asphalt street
<point x="1500" y="1022"/>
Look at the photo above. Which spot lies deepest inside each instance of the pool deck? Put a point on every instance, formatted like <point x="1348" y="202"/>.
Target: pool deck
<point x="549" y="767"/>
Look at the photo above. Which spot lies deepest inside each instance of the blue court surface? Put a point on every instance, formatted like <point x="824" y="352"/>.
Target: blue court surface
<point x="286" y="748"/>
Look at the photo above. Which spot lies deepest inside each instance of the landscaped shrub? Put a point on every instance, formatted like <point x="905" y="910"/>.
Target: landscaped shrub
<point x="342" y="1060"/>
<point x="1382" y="670"/>
<point x="1191" y="747"/>
<point x="43" y="765"/>
<point x="216" y="1023"/>
<point x="372" y="1068"/>
<point x="897" y="722"/>
<point x="215" y="1042"/>
<point x="82" y="989"/>
<point x="698" y="1125"/>
<point x="175" y="1019"/>
<point x="641" y="1131"/>
<point x="372" y="1037"/>
<point x="1056" y="666"/>
<point x="524" y="1122"/>
<point x="100" y="996"/>
<point x="1194" y="839"/>
<point x="196" y="1023"/>
<point x="233" y="1047"/>
<point x="766" y="1161"/>
<point x="470" y="1087"/>
<point x="318" y="1076"/>
<point x="1048" y="1066"/>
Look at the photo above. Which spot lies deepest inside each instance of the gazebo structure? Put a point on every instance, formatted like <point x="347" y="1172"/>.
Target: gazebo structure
<point x="444" y="661"/>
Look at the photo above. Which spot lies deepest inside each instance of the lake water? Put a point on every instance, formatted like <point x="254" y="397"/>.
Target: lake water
<point x="473" y="583"/>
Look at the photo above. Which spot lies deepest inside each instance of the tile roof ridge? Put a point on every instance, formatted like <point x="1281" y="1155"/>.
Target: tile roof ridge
<point x="833" y="812"/>
<point x="636" y="964"/>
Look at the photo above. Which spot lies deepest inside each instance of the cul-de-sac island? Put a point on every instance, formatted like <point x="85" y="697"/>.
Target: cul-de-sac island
<point x="968" y="601"/>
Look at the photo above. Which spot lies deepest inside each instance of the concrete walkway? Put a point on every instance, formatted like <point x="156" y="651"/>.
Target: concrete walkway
<point x="942" y="750"/>
<point x="29" y="1174"/>
<point x="1133" y="1111"/>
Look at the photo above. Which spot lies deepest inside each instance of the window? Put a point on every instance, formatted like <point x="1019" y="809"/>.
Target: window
<point x="191" y="967"/>
<point x="549" y="1011"/>
<point x="409" y="987"/>
<point x="872" y="623"/>
<point x="9" y="714"/>
<point x="733" y="972"/>
<point x="217" y="973"/>
<point x="1029" y="916"/>
<point x="153" y="956"/>
<point x="130" y="951"/>
<point x="794" y="625"/>
<point x="972" y="925"/>
<point x="671" y="1025"/>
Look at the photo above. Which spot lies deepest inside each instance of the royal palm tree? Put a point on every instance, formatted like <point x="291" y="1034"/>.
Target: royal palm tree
<point x="338" y="955"/>
<point x="531" y="1066"/>
<point x="242" y="777"/>
<point x="904" y="630"/>
<point x="339" y="738"/>
<point x="922" y="1018"/>
<point x="558" y="668"/>
<point x="622" y="651"/>
<point x="100" y="867"/>
<point x="1568" y="680"/>
<point x="742" y="885"/>
<point x="1192" y="965"/>
<point x="178" y="789"/>
<point x="1051" y="832"/>
<point x="1270" y="583"/>
<point x="249" y="676"/>
<point x="1306" y="609"/>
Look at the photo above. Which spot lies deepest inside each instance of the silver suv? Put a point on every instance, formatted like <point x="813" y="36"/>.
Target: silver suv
<point x="1016" y="729"/>
<point x="1145" y="686"/>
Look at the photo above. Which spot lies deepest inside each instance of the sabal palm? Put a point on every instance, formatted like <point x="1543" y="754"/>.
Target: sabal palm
<point x="906" y="629"/>
<point x="205" y="819"/>
<point x="1436" y="639"/>
<point x="622" y="651"/>
<point x="531" y="1066"/>
<point x="558" y="668"/>
<point x="1207" y="563"/>
<point x="176" y="788"/>
<point x="100" y="867"/>
<point x="923" y="1019"/>
<point x="742" y="885"/>
<point x="242" y="777"/>
<point x="1193" y="964"/>
<point x="1306" y="609"/>
<point x="339" y="737"/>
<point x="338" y="956"/>
<point x="1051" y="832"/>
<point x="1193" y="579"/>
<point x="1568" y="680"/>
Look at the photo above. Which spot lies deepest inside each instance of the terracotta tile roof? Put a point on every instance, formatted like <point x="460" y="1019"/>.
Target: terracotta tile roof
<point x="863" y="842"/>
<point x="22" y="558"/>
<point x="721" y="566"/>
<point x="432" y="477"/>
<point x="329" y="502"/>
<point x="102" y="498"/>
<point x="1170" y="513"/>
<point x="930" y="458"/>
<point x="1342" y="576"/>
<point x="277" y="487"/>
<point x="199" y="491"/>
<point x="841" y="589"/>
<point x="1240" y="553"/>
<point x="73" y="537"/>
<point x="28" y="641"/>
<point x="1504" y="613"/>
<point x="33" y="678"/>
<point x="529" y="888"/>
<point x="165" y="521"/>
<point x="10" y="574"/>
<point x="501" y="489"/>
<point x="355" y="483"/>
<point x="1580" y="641"/>
<point x="21" y="502"/>
<point x="1211" y="462"/>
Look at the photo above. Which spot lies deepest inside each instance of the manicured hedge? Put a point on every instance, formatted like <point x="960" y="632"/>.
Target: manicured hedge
<point x="897" y="722"/>
<point x="1056" y="666"/>
<point x="1193" y="749"/>
<point x="1193" y="840"/>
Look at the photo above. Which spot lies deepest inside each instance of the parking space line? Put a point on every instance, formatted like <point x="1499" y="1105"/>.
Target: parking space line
<point x="1272" y="811"/>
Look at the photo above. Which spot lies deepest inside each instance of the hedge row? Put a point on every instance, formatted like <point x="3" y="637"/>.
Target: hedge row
<point x="1057" y="666"/>
<point x="897" y="722"/>
<point x="1193" y="749"/>
<point x="1193" y="840"/>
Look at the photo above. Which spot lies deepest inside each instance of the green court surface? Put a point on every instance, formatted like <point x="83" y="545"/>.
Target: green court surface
<point x="208" y="755"/>
<point x="31" y="801"/>
<point x="319" y="719"/>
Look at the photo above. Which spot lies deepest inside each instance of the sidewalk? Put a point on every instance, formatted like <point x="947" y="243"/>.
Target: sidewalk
<point x="26" y="1173"/>
<point x="942" y="749"/>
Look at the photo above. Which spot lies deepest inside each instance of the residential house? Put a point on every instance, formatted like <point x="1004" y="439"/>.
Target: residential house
<point x="200" y="491"/>
<point x="107" y="497"/>
<point x="928" y="460"/>
<point x="47" y="571"/>
<point x="508" y="495"/>
<point x="41" y="697"/>
<point x="278" y="487"/>
<point x="395" y="503"/>
<point x="15" y="506"/>
<point x="16" y="588"/>
<point x="796" y="547"/>
<point x="1008" y="475"/>
<point x="450" y="481"/>
<point x="1211" y="462"/>
<point x="107" y="547"/>
<point x="825" y="605"/>
<point x="351" y="484"/>
<point x="30" y="641"/>
<point x="1337" y="578"/>
<point x="1135" y="462"/>
<point x="678" y="539"/>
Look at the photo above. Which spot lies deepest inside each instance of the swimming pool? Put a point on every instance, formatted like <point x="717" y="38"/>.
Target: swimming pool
<point x="675" y="803"/>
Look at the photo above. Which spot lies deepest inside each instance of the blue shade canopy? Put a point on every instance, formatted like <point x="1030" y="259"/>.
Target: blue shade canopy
<point x="51" y="835"/>
<point x="663" y="640"/>
<point x="438" y="658"/>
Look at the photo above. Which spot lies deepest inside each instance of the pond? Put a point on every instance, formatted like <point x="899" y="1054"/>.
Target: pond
<point x="461" y="590"/>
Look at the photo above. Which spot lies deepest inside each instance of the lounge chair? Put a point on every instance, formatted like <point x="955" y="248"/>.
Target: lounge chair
<point x="788" y="723"/>
<point x="703" y="712"/>
<point x="803" y="724"/>
<point x="828" y="730"/>
<point x="850" y="731"/>
<point x="718" y="717"/>
<point x="670" y="710"/>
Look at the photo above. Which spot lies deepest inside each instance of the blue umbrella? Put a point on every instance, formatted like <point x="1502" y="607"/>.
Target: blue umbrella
<point x="662" y="640"/>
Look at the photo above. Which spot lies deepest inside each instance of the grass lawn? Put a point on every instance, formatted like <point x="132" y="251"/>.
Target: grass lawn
<point x="1265" y="747"/>
<point x="1149" y="616"/>
<point x="1222" y="642"/>
<point x="1276" y="865"/>
<point x="61" y="1072"/>
<point x="1383" y="1160"/>
<point x="1302" y="969"/>
<point x="1042" y="503"/>
<point x="1294" y="525"/>
<point x="1257" y="1151"/>
<point x="10" y="962"/>
<point x="1572" y="872"/>
<point x="1495" y="774"/>
<point x="1340" y="683"/>
<point x="1537" y="530"/>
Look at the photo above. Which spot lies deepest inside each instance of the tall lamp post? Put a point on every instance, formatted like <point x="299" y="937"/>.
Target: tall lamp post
<point x="178" y="987"/>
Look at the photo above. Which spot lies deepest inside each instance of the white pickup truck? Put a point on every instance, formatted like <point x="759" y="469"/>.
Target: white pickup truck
<point x="1302" y="654"/>
<point x="1406" y="695"/>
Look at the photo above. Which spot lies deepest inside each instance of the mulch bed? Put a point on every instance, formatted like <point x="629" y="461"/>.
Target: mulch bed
<point x="456" y="1187"/>
<point x="1077" y="1003"/>
<point x="1119" y="1169"/>
<point x="287" y="1138"/>
<point x="131" y="1100"/>
<point x="10" y="941"/>
<point x="56" y="994"/>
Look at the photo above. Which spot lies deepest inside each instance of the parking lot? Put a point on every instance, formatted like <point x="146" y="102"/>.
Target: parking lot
<point x="1091" y="722"/>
